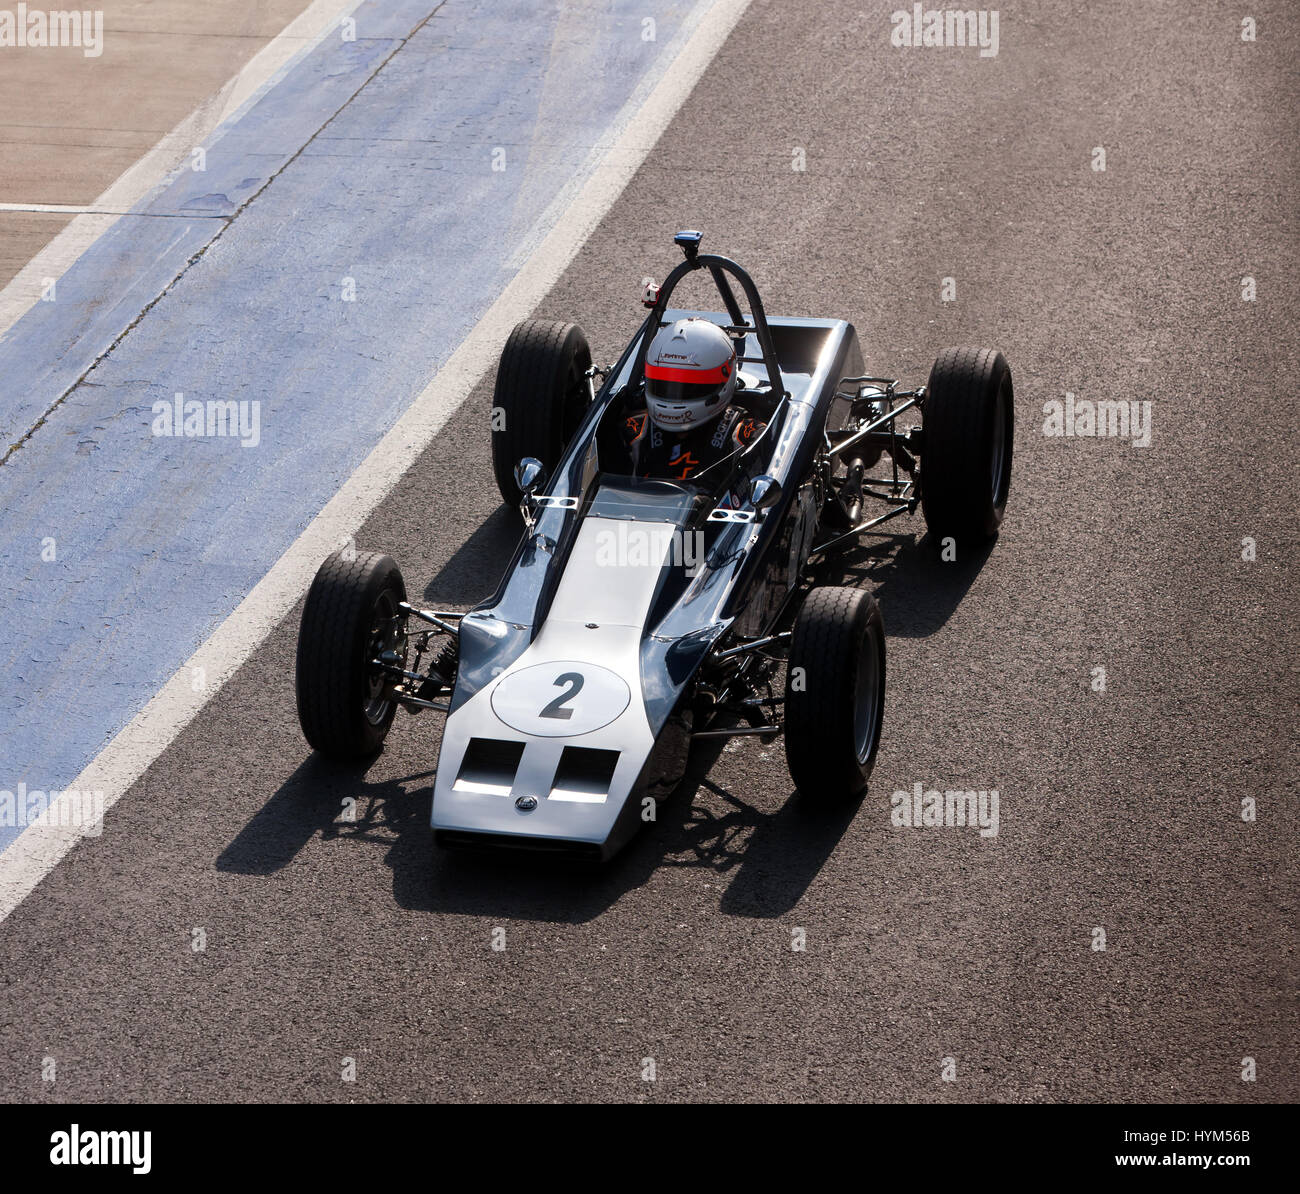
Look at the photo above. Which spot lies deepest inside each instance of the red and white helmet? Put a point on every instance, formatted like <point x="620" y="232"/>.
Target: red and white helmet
<point x="690" y="374"/>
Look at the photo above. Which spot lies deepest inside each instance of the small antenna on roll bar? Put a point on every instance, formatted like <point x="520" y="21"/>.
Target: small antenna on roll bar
<point x="688" y="241"/>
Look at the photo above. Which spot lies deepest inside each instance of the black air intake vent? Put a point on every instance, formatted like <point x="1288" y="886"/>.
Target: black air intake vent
<point x="584" y="774"/>
<point x="489" y="766"/>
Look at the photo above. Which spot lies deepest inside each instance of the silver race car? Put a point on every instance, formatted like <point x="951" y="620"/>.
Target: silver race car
<point x="641" y="612"/>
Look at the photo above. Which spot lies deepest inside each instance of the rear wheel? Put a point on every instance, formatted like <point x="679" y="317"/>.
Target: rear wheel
<point x="541" y="394"/>
<point x="350" y="617"/>
<point x="969" y="426"/>
<point x="834" y="694"/>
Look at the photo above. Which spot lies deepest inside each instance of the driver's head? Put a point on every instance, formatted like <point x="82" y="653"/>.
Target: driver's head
<point x="690" y="374"/>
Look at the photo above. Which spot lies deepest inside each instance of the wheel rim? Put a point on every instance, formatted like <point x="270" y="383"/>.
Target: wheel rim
<point x="866" y="697"/>
<point x="998" y="470"/>
<point x="385" y="634"/>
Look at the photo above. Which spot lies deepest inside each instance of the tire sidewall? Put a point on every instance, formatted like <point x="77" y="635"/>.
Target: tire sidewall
<point x="533" y="397"/>
<point x="961" y="426"/>
<point x="332" y="674"/>
<point x="820" y="727"/>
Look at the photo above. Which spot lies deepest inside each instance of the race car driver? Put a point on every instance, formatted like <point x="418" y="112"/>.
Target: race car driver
<point x="689" y="423"/>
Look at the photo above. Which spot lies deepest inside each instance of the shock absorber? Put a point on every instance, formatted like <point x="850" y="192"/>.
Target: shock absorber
<point x="447" y="663"/>
<point x="442" y="673"/>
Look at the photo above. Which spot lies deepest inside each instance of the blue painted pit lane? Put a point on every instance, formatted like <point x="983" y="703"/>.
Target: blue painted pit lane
<point x="368" y="160"/>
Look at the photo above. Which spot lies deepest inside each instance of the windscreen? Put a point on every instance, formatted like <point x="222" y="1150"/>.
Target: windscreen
<point x="642" y="499"/>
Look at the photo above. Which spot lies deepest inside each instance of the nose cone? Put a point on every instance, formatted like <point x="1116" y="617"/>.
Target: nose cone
<point x="552" y="753"/>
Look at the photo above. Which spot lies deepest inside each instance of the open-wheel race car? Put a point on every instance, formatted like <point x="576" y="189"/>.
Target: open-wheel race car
<point x="640" y="612"/>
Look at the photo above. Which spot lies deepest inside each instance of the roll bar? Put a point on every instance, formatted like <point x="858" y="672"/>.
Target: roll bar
<point x="719" y="267"/>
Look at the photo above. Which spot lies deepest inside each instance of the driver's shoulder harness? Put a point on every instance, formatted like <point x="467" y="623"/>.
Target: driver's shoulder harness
<point x="679" y="457"/>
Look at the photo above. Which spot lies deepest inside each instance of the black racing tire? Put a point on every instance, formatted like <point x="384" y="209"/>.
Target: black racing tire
<point x="541" y="395"/>
<point x="351" y="612"/>
<point x="834" y="694"/>
<point x="968" y="429"/>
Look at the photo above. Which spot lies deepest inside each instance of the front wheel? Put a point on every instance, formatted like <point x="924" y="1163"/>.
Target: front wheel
<point x="834" y="694"/>
<point x="350" y="618"/>
<point x="968" y="425"/>
<point x="541" y="395"/>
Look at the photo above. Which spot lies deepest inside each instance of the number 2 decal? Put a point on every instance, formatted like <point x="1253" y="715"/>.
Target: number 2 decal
<point x="557" y="708"/>
<point x="561" y="698"/>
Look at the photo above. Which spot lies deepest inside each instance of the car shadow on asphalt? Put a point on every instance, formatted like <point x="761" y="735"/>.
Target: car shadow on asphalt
<point x="327" y="799"/>
<point x="769" y="858"/>
<point x="476" y="567"/>
<point x="917" y="589"/>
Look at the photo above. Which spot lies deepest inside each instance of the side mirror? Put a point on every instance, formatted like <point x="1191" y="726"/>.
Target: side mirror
<point x="529" y="475"/>
<point x="764" y="492"/>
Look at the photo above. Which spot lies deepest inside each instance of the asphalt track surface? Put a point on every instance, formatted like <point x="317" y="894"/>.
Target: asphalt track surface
<point x="1119" y="810"/>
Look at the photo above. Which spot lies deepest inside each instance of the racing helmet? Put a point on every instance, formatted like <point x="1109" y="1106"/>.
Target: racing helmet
<point x="690" y="374"/>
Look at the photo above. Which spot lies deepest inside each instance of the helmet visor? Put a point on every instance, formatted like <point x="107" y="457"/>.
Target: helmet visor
<point x="666" y="390"/>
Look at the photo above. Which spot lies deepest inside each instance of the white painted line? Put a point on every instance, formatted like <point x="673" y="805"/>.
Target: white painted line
<point x="59" y="209"/>
<point x="40" y="847"/>
<point x="92" y="221"/>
